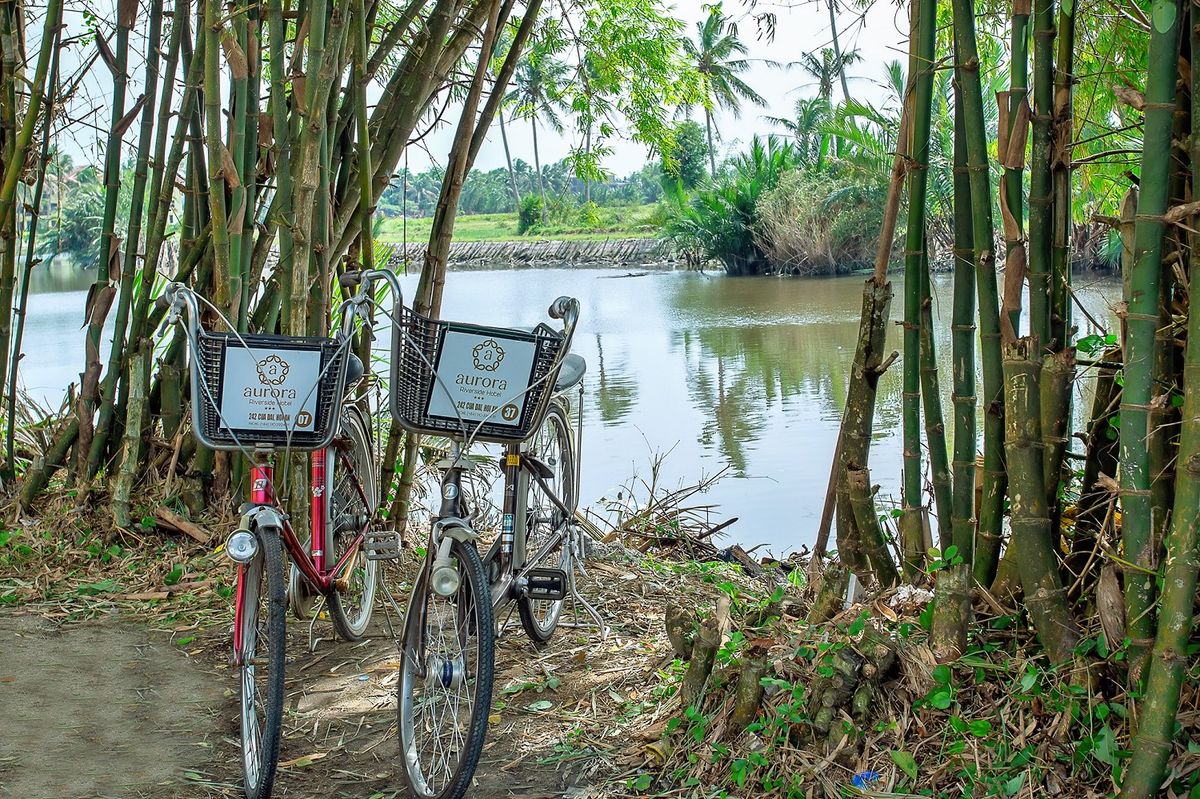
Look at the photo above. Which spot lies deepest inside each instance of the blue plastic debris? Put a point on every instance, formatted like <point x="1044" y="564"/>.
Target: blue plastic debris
<point x="863" y="779"/>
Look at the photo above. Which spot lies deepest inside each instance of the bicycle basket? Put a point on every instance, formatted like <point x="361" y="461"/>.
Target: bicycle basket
<point x="276" y="390"/>
<point x="448" y="377"/>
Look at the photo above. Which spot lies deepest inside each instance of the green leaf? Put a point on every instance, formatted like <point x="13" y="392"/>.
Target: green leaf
<point x="905" y="762"/>
<point x="175" y="576"/>
<point x="102" y="587"/>
<point x="540" y="706"/>
<point x="642" y="782"/>
<point x="185" y="640"/>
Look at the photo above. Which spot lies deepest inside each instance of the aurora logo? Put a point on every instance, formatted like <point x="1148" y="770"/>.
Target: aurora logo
<point x="487" y="356"/>
<point x="272" y="370"/>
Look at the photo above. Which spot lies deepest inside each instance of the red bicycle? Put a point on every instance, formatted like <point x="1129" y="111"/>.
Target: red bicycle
<point x="258" y="395"/>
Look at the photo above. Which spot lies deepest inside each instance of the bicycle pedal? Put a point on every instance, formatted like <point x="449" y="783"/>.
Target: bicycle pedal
<point x="546" y="584"/>
<point x="381" y="544"/>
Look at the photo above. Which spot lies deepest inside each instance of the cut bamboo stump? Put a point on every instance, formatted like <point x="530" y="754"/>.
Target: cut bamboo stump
<point x="704" y="655"/>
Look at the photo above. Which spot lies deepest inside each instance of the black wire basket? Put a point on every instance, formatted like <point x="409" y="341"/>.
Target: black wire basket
<point x="281" y="391"/>
<point x="459" y="380"/>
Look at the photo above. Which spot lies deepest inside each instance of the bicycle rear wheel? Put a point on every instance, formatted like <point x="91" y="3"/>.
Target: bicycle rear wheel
<point x="446" y="672"/>
<point x="261" y="659"/>
<point x="352" y="503"/>
<point x="552" y="446"/>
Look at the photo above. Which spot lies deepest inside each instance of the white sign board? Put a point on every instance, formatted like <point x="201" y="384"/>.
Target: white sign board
<point x="481" y="377"/>
<point x="263" y="389"/>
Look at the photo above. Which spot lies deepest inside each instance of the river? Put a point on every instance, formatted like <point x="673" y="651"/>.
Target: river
<point x="746" y="375"/>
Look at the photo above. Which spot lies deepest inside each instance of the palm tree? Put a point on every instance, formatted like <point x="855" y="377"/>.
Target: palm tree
<point x="807" y="128"/>
<point x="716" y="54"/>
<point x="826" y="69"/>
<point x="537" y="92"/>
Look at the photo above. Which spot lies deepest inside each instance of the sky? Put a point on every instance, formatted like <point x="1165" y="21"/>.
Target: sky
<point x="878" y="33"/>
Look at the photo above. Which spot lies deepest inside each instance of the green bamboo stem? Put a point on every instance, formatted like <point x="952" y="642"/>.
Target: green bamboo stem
<point x="1142" y="319"/>
<point x="911" y="522"/>
<point x="962" y="346"/>
<point x="862" y="503"/>
<point x="240" y="215"/>
<point x="100" y="300"/>
<point x="1058" y="377"/>
<point x="219" y="178"/>
<point x="162" y="200"/>
<point x="1041" y="197"/>
<point x="282" y="205"/>
<point x="952" y="610"/>
<point x="1152" y="743"/>
<point x="1033" y="537"/>
<point x="117" y="352"/>
<point x="30" y="248"/>
<point x="139" y="378"/>
<point x="1014" y="137"/>
<point x="1063" y="132"/>
<point x="992" y="504"/>
<point x="15" y="151"/>
<point x="935" y="425"/>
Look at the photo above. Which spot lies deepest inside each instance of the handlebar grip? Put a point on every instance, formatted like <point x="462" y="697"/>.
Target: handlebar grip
<point x="351" y="279"/>
<point x="558" y="308"/>
<point x="162" y="303"/>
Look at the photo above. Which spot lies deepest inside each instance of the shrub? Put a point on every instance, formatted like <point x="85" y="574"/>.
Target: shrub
<point x="819" y="223"/>
<point x="529" y="215"/>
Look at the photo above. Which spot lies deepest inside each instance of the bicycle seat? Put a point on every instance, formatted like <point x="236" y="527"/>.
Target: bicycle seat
<point x="571" y="372"/>
<point x="354" y="369"/>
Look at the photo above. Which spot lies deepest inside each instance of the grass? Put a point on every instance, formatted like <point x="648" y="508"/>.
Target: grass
<point x="620" y="222"/>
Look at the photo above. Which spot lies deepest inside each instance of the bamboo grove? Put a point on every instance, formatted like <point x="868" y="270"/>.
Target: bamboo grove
<point x="257" y="162"/>
<point x="1021" y="516"/>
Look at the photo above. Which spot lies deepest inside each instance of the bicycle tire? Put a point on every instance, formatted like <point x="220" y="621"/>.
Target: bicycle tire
<point x="472" y="617"/>
<point x="352" y="625"/>
<point x="260" y="743"/>
<point x="539" y="617"/>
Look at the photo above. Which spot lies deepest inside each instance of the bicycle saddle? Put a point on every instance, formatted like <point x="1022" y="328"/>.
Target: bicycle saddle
<point x="571" y="372"/>
<point x="354" y="369"/>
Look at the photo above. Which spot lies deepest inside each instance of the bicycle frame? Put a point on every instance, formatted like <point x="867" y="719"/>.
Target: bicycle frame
<point x="311" y="561"/>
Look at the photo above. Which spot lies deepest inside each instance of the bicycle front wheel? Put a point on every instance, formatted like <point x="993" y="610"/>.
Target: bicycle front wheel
<point x="445" y="687"/>
<point x="261" y="659"/>
<point x="352" y="505"/>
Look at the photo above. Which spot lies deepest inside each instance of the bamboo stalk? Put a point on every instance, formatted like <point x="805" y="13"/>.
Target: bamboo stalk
<point x="1142" y="320"/>
<point x="1041" y="198"/>
<point x="911" y="522"/>
<point x="935" y="425"/>
<point x="991" y="507"/>
<point x="30" y="260"/>
<point x="1062" y="132"/>
<point x="131" y="459"/>
<point x="862" y="503"/>
<point x="117" y="352"/>
<point x="952" y="610"/>
<point x="1152" y="743"/>
<point x="1045" y="597"/>
<point x="102" y="294"/>
<point x="1014" y="135"/>
<point x="16" y="148"/>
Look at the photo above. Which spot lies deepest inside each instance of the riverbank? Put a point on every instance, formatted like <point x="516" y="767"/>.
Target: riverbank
<point x="843" y="701"/>
<point x="620" y="253"/>
<point x="611" y="222"/>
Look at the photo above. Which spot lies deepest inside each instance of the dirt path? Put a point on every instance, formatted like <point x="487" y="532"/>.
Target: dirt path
<point x="115" y="708"/>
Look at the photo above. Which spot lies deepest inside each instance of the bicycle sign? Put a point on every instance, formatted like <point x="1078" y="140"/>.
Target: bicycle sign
<point x="265" y="390"/>
<point x="481" y="376"/>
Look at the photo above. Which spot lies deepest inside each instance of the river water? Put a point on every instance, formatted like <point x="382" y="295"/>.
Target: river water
<point x="746" y="375"/>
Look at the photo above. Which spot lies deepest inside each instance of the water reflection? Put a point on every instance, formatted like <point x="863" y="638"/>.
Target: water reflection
<point x="742" y="373"/>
